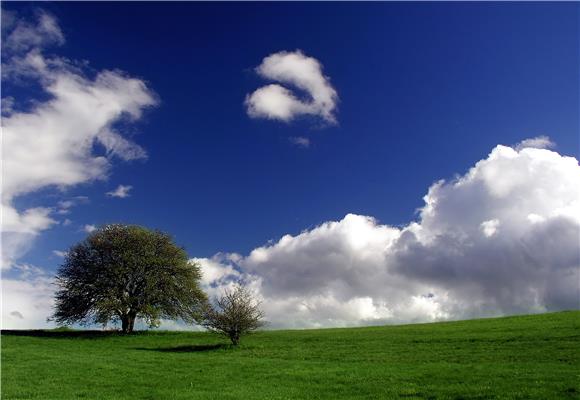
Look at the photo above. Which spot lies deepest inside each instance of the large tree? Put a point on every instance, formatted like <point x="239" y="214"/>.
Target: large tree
<point x="125" y="272"/>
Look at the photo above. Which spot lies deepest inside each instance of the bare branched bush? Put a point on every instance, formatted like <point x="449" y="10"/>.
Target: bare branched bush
<point x="234" y="314"/>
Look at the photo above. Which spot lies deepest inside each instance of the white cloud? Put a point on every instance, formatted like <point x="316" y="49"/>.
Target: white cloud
<point x="534" y="218"/>
<point x="300" y="141"/>
<point x="20" y="229"/>
<point x="89" y="228"/>
<point x="53" y="144"/>
<point x="64" y="206"/>
<point x="7" y="105"/>
<point x="501" y="239"/>
<point x="59" y="253"/>
<point x="538" y="142"/>
<point x="27" y="299"/>
<point x="277" y="102"/>
<point x="216" y="269"/>
<point x="121" y="191"/>
<point x="25" y="35"/>
<point x="489" y="228"/>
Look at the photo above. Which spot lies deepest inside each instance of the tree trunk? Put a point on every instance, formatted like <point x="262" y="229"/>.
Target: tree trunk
<point x="125" y="324"/>
<point x="235" y="338"/>
<point x="128" y="322"/>
<point x="131" y="322"/>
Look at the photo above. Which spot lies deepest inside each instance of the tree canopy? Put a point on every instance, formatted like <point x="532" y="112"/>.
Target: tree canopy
<point x="125" y="272"/>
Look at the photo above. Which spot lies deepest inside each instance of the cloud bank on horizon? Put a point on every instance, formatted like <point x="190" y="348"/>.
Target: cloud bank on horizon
<point x="501" y="239"/>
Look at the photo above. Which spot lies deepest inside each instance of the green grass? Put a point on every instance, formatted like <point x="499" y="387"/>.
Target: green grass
<point x="518" y="357"/>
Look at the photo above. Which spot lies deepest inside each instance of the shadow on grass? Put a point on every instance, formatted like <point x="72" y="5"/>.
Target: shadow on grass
<point x="64" y="334"/>
<point x="187" y="348"/>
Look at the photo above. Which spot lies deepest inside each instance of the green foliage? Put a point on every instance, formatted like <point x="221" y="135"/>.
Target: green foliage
<point x="125" y="272"/>
<point x="234" y="314"/>
<point x="525" y="357"/>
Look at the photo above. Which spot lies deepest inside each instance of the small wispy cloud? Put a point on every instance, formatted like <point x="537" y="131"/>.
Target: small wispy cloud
<point x="59" y="253"/>
<point x="7" y="105"/>
<point x="300" y="141"/>
<point x="26" y="35"/>
<point x="66" y="203"/>
<point x="538" y="142"/>
<point x="89" y="228"/>
<point x="64" y="206"/>
<point x="121" y="191"/>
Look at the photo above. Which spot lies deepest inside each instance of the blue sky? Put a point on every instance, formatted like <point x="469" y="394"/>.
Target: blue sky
<point x="425" y="91"/>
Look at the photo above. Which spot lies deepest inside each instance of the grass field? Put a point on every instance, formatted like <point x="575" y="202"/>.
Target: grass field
<point x="519" y="357"/>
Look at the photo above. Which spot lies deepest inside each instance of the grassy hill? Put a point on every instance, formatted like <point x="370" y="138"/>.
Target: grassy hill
<point x="522" y="357"/>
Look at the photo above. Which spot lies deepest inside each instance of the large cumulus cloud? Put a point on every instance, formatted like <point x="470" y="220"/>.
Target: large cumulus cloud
<point x="502" y="238"/>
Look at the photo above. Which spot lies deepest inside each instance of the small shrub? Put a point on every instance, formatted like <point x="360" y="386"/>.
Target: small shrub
<point x="234" y="314"/>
